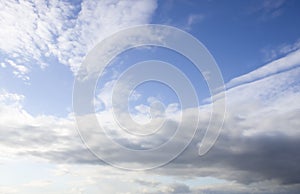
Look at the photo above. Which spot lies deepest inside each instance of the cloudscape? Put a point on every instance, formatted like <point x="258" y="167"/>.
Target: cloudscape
<point x="146" y="96"/>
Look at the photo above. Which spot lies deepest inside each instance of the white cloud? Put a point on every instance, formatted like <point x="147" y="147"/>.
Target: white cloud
<point x="193" y="19"/>
<point x="38" y="183"/>
<point x="224" y="188"/>
<point x="22" y="132"/>
<point x="34" y="31"/>
<point x="8" y="190"/>
<point x="281" y="50"/>
<point x="20" y="70"/>
<point x="285" y="63"/>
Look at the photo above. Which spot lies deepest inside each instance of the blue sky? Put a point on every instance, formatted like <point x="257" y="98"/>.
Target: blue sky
<point x="256" y="45"/>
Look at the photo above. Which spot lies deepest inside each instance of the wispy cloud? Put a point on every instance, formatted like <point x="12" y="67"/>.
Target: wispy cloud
<point x="278" y="52"/>
<point x="268" y="9"/>
<point x="193" y="19"/>
<point x="19" y="70"/>
<point x="285" y="63"/>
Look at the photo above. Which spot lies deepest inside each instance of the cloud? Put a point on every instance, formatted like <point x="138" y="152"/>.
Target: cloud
<point x="257" y="134"/>
<point x="259" y="138"/>
<point x="280" y="51"/>
<point x="20" y="70"/>
<point x="285" y="63"/>
<point x="268" y="9"/>
<point x="259" y="141"/>
<point x="9" y="190"/>
<point x="39" y="183"/>
<point x="33" y="32"/>
<point x="11" y="98"/>
<point x="22" y="133"/>
<point x="147" y="183"/>
<point x="176" y="188"/>
<point x="225" y="188"/>
<point x="193" y="19"/>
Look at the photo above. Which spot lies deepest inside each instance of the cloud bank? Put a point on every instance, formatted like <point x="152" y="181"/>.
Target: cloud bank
<point x="259" y="141"/>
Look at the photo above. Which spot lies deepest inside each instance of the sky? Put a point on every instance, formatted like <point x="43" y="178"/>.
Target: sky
<point x="60" y="134"/>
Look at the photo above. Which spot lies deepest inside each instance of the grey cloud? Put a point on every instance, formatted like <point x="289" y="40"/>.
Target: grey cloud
<point x="257" y="143"/>
<point x="147" y="183"/>
<point x="175" y="188"/>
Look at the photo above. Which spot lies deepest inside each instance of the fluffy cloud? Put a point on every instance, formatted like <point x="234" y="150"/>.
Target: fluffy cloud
<point x="19" y="70"/>
<point x="35" y="31"/>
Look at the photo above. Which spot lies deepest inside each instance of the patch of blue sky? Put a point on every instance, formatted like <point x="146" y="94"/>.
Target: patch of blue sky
<point x="235" y="31"/>
<point x="156" y="89"/>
